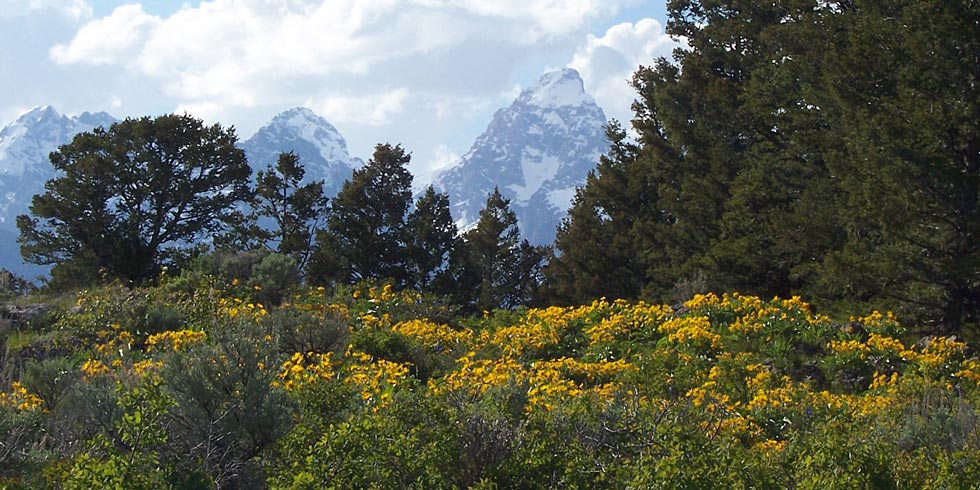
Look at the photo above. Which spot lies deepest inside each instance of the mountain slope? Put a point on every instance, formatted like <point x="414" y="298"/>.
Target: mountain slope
<point x="24" y="148"/>
<point x="320" y="147"/>
<point x="537" y="151"/>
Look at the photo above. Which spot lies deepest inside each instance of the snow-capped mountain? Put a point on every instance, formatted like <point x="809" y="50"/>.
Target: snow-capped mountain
<point x="24" y="148"/>
<point x="24" y="168"/>
<point x="321" y="149"/>
<point x="537" y="151"/>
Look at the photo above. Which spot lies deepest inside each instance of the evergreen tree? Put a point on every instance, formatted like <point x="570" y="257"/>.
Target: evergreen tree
<point x="828" y="148"/>
<point x="430" y="240"/>
<point x="131" y="196"/>
<point x="778" y="219"/>
<point x="296" y="209"/>
<point x="366" y="237"/>
<point x="903" y="86"/>
<point x="493" y="267"/>
<point x="596" y="252"/>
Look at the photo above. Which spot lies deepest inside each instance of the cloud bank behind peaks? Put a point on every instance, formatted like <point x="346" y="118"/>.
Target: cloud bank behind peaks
<point x="608" y="62"/>
<point x="425" y="73"/>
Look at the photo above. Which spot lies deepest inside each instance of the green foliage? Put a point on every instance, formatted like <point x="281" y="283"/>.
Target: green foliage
<point x="225" y="413"/>
<point x="130" y="459"/>
<point x="907" y="160"/>
<point x="431" y="242"/>
<point x="773" y="158"/>
<point x="596" y="253"/>
<point x="365" y="237"/>
<point x="493" y="268"/>
<point x="274" y="277"/>
<point x="363" y="387"/>
<point x="131" y="196"/>
<point x="20" y="436"/>
<point x="51" y="379"/>
<point x="297" y="210"/>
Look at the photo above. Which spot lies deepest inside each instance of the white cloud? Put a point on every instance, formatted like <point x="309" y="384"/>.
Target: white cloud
<point x="607" y="63"/>
<point x="422" y="72"/>
<point x="370" y="109"/>
<point x="444" y="157"/>
<point x="107" y="40"/>
<point x="549" y="18"/>
<point x="425" y="170"/>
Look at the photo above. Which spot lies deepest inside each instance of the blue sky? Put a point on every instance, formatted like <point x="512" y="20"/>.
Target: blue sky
<point x="425" y="73"/>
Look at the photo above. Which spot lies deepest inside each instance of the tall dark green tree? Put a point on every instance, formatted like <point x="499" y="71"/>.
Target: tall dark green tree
<point x="365" y="237"/>
<point x="903" y="83"/>
<point x="493" y="267"/>
<point x="776" y="224"/>
<point x="596" y="252"/>
<point x="131" y="196"/>
<point x="296" y="210"/>
<point x="430" y="240"/>
<point x="803" y="146"/>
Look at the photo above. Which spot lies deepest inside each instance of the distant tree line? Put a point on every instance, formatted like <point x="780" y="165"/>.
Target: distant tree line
<point x="152" y="193"/>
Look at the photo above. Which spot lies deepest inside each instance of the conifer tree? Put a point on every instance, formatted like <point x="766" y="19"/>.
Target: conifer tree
<point x="430" y="241"/>
<point x="493" y="267"/>
<point x="296" y="210"/>
<point x="903" y="86"/>
<point x="366" y="237"/>
<point x="131" y="196"/>
<point x="596" y="253"/>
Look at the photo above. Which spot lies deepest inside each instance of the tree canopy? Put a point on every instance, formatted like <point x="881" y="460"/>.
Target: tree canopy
<point x="365" y="237"/>
<point x="493" y="267"/>
<point x="795" y="147"/>
<point x="297" y="210"/>
<point x="131" y="196"/>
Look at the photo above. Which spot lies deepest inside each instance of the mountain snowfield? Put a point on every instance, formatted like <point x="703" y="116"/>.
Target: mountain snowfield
<point x="537" y="151"/>
<point x="25" y="167"/>
<point x="320" y="147"/>
<point x="24" y="148"/>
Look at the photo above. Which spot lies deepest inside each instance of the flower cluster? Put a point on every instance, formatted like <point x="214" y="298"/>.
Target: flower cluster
<point x="93" y="367"/>
<point x="241" y="309"/>
<point x="174" y="340"/>
<point x="20" y="398"/>
<point x="376" y="379"/>
<point x="695" y="331"/>
<point x="302" y="370"/>
<point x="433" y="335"/>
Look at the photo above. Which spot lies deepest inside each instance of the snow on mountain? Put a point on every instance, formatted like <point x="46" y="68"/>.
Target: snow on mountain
<point x="24" y="148"/>
<point x="24" y="168"/>
<point x="320" y="147"/>
<point x="537" y="151"/>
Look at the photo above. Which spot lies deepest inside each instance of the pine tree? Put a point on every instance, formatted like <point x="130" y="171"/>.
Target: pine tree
<point x="903" y="85"/>
<point x="778" y="220"/>
<point x="493" y="267"/>
<point x="596" y="253"/>
<point x="430" y="242"/>
<point x="366" y="237"/>
<point x="297" y="210"/>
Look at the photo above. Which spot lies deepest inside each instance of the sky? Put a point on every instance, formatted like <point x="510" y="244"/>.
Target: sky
<point x="427" y="74"/>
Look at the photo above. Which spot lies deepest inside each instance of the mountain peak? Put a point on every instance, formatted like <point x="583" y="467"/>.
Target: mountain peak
<point x="39" y="114"/>
<point x="321" y="148"/>
<point x="25" y="143"/>
<point x="299" y="115"/>
<point x="557" y="89"/>
<point x="536" y="152"/>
